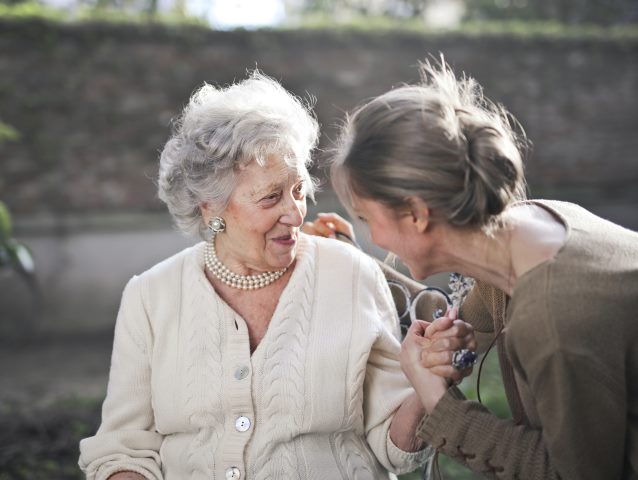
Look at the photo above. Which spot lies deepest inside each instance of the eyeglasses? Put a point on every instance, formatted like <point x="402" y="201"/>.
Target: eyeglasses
<point x="408" y="304"/>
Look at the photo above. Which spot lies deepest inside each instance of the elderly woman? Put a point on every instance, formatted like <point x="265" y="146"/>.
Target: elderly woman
<point x="436" y="172"/>
<point x="262" y="352"/>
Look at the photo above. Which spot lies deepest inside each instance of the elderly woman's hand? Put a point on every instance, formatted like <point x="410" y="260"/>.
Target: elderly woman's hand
<point x="428" y="386"/>
<point x="328" y="225"/>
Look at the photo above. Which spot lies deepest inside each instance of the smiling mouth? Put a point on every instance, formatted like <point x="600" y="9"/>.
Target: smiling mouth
<point x="288" y="239"/>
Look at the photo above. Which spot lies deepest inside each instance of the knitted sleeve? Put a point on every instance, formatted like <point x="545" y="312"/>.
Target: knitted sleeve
<point x="385" y="387"/>
<point x="579" y="401"/>
<point x="126" y="439"/>
<point x="470" y="434"/>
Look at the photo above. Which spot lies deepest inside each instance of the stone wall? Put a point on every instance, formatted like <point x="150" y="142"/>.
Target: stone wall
<point x="93" y="104"/>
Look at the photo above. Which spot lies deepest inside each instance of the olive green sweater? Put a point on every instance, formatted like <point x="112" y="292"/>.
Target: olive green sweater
<point x="569" y="358"/>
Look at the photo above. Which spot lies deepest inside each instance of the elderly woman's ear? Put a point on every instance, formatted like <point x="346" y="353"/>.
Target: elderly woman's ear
<point x="206" y="212"/>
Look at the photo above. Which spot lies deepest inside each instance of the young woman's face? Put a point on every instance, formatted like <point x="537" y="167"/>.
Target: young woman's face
<point x="263" y="217"/>
<point x="393" y="231"/>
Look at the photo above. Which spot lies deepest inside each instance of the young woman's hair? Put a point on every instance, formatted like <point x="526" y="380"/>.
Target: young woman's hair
<point x="440" y="140"/>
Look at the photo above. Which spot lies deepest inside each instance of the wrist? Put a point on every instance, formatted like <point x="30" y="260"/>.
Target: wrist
<point x="431" y="394"/>
<point x="415" y="405"/>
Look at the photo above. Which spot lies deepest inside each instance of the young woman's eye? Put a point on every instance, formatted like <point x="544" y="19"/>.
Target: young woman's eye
<point x="362" y="219"/>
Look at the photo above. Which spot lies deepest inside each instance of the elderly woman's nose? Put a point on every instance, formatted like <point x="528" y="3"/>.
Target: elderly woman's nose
<point x="294" y="213"/>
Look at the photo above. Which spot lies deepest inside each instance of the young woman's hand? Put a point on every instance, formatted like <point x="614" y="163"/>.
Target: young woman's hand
<point x="426" y="355"/>
<point x="447" y="335"/>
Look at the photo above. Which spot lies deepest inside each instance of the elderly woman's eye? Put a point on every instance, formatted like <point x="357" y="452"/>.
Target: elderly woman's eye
<point x="300" y="188"/>
<point x="271" y="197"/>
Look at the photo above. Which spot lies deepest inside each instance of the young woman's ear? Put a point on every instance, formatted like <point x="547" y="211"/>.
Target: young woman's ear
<point x="420" y="213"/>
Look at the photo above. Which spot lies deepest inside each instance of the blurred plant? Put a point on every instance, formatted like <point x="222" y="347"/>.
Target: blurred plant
<point x="16" y="257"/>
<point x="569" y="12"/>
<point x="565" y="12"/>
<point x="90" y="11"/>
<point x="13" y="254"/>
<point x="7" y="132"/>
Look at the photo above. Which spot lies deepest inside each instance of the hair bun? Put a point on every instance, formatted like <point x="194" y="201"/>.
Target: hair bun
<point x="493" y="174"/>
<point x="441" y="141"/>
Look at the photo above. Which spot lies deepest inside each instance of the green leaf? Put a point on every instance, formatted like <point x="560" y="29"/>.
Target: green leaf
<point x="20" y="256"/>
<point x="25" y="259"/>
<point x="5" y="223"/>
<point x="8" y="133"/>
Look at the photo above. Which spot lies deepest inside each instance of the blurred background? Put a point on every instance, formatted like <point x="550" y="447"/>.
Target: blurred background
<point x="88" y="89"/>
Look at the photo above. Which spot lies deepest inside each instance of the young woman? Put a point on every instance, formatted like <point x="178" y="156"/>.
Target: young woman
<point x="436" y="172"/>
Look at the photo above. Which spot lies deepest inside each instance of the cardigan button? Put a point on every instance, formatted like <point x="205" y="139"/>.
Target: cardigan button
<point x="242" y="424"/>
<point x="233" y="473"/>
<point x="241" y="372"/>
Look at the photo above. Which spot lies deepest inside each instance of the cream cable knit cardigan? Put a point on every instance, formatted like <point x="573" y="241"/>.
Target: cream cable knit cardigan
<point x="318" y="394"/>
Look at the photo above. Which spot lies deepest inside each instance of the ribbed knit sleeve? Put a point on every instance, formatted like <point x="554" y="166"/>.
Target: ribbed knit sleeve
<point x="469" y="433"/>
<point x="386" y="387"/>
<point x="126" y="439"/>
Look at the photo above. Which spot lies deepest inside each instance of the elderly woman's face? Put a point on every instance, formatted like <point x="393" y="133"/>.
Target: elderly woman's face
<point x="263" y="218"/>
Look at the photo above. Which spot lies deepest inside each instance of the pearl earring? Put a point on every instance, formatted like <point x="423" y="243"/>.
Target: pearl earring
<point x="216" y="225"/>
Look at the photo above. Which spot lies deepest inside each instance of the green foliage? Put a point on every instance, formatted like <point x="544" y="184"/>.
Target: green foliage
<point x="491" y="386"/>
<point x="609" y="12"/>
<point x="98" y="13"/>
<point x="508" y="28"/>
<point x="547" y="29"/>
<point x="12" y="253"/>
<point x="30" y="10"/>
<point x="365" y="23"/>
<point x="42" y="443"/>
<point x="5" y="223"/>
<point x="322" y="20"/>
<point x="7" y="132"/>
<point x="564" y="12"/>
<point x="388" y="8"/>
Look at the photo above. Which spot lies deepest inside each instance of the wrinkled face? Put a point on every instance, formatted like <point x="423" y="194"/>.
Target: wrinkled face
<point x="393" y="231"/>
<point x="263" y="217"/>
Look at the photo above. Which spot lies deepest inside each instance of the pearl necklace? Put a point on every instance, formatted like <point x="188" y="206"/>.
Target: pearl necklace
<point x="243" y="282"/>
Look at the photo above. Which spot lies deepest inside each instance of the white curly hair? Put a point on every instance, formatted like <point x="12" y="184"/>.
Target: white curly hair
<point x="223" y="129"/>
